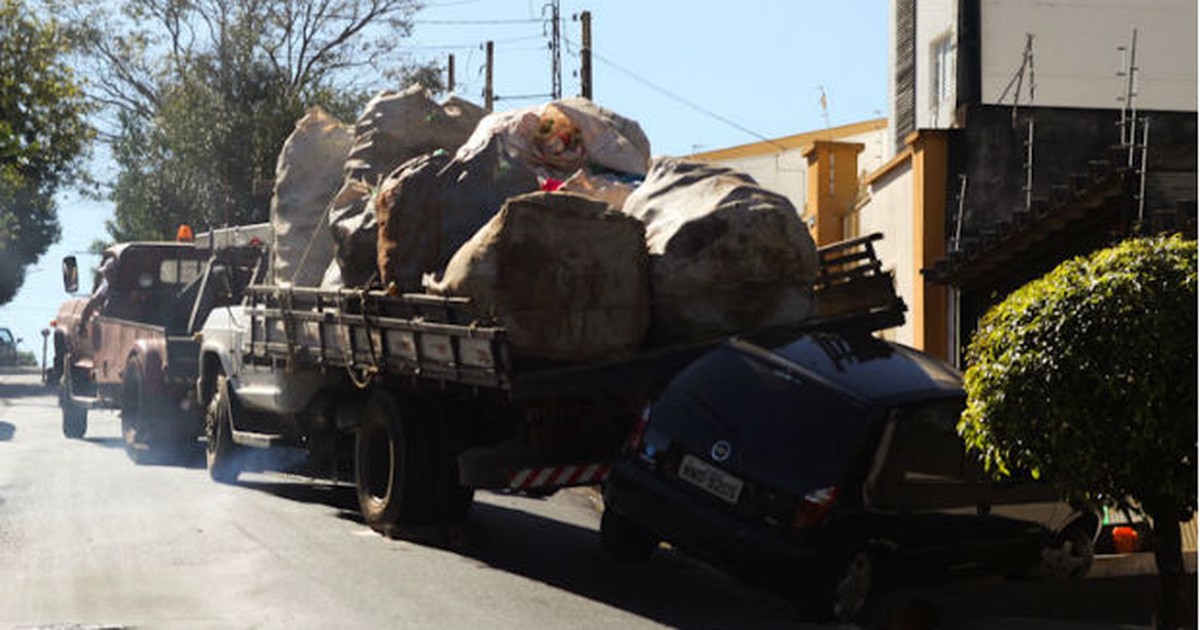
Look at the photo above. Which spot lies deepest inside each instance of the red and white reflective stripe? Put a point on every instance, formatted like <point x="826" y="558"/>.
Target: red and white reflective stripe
<point x="558" y="476"/>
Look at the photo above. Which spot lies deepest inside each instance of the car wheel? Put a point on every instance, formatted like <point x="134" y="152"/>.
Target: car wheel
<point x="220" y="453"/>
<point x="1070" y="556"/>
<point x="846" y="591"/>
<point x="623" y="540"/>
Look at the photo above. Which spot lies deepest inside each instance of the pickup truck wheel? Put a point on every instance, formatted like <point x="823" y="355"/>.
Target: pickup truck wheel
<point x="220" y="453"/>
<point x="74" y="417"/>
<point x="623" y="540"/>
<point x="138" y="410"/>
<point x="392" y="475"/>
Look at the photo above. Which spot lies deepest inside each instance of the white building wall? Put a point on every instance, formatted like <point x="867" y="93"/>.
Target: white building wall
<point x="1075" y="51"/>
<point x="937" y="21"/>
<point x="889" y="210"/>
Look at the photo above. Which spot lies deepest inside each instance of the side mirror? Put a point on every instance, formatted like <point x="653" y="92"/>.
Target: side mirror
<point x="70" y="272"/>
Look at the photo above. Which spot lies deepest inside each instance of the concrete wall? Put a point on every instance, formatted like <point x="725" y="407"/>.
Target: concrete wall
<point x="1075" y="50"/>
<point x="991" y="153"/>
<point x="888" y="209"/>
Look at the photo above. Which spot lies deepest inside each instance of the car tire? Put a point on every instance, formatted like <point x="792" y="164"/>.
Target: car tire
<point x="1070" y="555"/>
<point x="843" y="595"/>
<point x="221" y="455"/>
<point x="622" y="540"/>
<point x="74" y="416"/>
<point x="393" y="479"/>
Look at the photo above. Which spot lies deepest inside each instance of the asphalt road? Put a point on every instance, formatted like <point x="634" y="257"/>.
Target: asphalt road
<point x="88" y="539"/>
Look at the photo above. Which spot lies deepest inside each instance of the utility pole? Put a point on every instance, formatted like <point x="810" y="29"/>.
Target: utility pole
<point x="450" y="75"/>
<point x="585" y="56"/>
<point x="487" y="81"/>
<point x="555" y="53"/>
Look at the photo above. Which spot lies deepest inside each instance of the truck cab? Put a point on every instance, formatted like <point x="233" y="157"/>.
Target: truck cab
<point x="129" y="344"/>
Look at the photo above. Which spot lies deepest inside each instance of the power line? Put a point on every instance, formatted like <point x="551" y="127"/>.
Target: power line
<point x="679" y="99"/>
<point x="457" y="22"/>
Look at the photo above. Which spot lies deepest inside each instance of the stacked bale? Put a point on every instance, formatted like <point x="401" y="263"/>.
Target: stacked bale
<point x="394" y="128"/>
<point x="308" y="174"/>
<point x="726" y="255"/>
<point x="565" y="275"/>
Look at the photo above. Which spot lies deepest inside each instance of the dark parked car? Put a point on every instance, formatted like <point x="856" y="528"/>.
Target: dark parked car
<point x="820" y="468"/>
<point x="8" y="347"/>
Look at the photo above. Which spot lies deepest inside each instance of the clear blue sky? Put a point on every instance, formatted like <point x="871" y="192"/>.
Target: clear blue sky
<point x="685" y="70"/>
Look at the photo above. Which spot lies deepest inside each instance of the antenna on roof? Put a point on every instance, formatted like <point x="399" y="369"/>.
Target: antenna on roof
<point x="824" y="106"/>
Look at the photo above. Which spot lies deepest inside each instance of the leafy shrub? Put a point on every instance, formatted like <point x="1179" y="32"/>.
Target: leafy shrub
<point x="1087" y="376"/>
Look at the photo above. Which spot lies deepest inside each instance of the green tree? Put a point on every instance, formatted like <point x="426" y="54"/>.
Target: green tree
<point x="1087" y="378"/>
<point x="199" y="96"/>
<point x="42" y="135"/>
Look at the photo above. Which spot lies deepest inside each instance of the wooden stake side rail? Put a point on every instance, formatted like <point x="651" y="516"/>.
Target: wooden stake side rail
<point x="373" y="333"/>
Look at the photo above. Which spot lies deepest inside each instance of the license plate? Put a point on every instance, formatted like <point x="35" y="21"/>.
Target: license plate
<point x="710" y="478"/>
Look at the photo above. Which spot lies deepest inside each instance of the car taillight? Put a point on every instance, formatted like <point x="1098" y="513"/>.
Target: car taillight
<point x="814" y="507"/>
<point x="639" y="429"/>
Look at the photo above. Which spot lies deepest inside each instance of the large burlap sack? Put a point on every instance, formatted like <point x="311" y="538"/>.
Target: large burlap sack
<point x="394" y="128"/>
<point x="558" y="138"/>
<point x="431" y="205"/>
<point x="726" y="255"/>
<point x="307" y="176"/>
<point x="565" y="275"/>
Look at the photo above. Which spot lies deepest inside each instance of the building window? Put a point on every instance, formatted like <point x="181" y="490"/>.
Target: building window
<point x="942" y="76"/>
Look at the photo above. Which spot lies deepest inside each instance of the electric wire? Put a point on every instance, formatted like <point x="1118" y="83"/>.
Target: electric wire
<point x="680" y="99"/>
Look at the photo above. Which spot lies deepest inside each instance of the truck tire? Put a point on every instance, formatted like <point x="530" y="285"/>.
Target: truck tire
<point x="393" y="477"/>
<point x="74" y="417"/>
<point x="139" y="410"/>
<point x="220" y="453"/>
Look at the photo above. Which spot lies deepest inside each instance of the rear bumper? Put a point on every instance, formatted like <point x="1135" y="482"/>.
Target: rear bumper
<point x="754" y="552"/>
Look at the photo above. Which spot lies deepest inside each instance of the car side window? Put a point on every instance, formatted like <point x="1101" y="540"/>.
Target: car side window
<point x="923" y="464"/>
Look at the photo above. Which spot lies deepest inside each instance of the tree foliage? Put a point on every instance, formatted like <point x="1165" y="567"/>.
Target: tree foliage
<point x="42" y="134"/>
<point x="201" y="94"/>
<point x="1088" y="376"/>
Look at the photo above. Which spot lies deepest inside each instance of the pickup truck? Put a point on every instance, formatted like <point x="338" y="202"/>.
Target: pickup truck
<point x="426" y="401"/>
<point x="130" y="344"/>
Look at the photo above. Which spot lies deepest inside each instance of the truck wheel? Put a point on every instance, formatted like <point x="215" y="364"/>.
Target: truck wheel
<point x="392" y="473"/>
<point x="138" y="411"/>
<point x="220" y="453"/>
<point x="74" y="417"/>
<point x="623" y="540"/>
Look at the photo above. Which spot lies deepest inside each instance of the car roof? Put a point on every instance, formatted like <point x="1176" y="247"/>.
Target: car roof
<point x="872" y="370"/>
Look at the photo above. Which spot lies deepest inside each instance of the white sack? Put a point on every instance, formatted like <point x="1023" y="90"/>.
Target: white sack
<point x="307" y="176"/>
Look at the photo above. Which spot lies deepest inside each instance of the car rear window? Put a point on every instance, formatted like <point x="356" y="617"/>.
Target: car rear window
<point x="785" y="429"/>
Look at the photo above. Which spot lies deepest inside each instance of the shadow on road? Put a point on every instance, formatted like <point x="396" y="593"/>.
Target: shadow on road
<point x="340" y="497"/>
<point x="6" y="431"/>
<point x="24" y="390"/>
<point x="671" y="589"/>
<point x="107" y="442"/>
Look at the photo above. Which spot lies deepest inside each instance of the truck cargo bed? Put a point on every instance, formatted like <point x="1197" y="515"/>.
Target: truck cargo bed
<point x="373" y="335"/>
